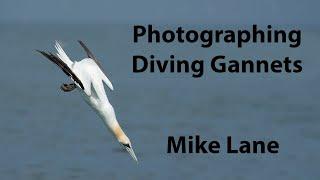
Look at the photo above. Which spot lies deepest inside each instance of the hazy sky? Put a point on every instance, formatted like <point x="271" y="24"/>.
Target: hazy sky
<point x="167" y="11"/>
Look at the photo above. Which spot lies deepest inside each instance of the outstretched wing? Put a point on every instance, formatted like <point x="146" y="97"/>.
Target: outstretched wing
<point x="89" y="53"/>
<point x="91" y="56"/>
<point x="63" y="66"/>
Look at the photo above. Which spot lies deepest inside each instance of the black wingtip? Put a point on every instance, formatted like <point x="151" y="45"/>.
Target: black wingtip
<point x="41" y="52"/>
<point x="86" y="49"/>
<point x="82" y="44"/>
<point x="44" y="54"/>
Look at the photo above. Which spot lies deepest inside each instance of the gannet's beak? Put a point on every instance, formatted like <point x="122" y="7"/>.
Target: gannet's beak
<point x="131" y="152"/>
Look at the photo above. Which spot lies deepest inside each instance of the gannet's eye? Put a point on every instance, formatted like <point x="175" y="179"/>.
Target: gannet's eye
<point x="127" y="145"/>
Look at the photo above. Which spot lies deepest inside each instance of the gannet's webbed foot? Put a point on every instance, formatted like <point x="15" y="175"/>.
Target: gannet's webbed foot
<point x="68" y="87"/>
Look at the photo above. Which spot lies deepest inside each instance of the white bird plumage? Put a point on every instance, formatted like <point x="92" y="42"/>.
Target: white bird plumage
<point x="92" y="77"/>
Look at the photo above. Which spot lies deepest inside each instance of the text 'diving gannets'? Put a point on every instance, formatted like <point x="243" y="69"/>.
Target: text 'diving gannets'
<point x="88" y="78"/>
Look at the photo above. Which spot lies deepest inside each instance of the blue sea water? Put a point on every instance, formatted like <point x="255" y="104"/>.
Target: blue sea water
<point x="48" y="134"/>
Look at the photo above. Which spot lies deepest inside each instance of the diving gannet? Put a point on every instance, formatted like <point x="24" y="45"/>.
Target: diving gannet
<point x="88" y="77"/>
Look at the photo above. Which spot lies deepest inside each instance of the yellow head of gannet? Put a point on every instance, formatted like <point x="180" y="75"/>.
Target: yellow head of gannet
<point x="125" y="141"/>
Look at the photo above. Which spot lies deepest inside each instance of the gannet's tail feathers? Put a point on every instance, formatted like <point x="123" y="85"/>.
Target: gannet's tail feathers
<point x="63" y="66"/>
<point x="62" y="55"/>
